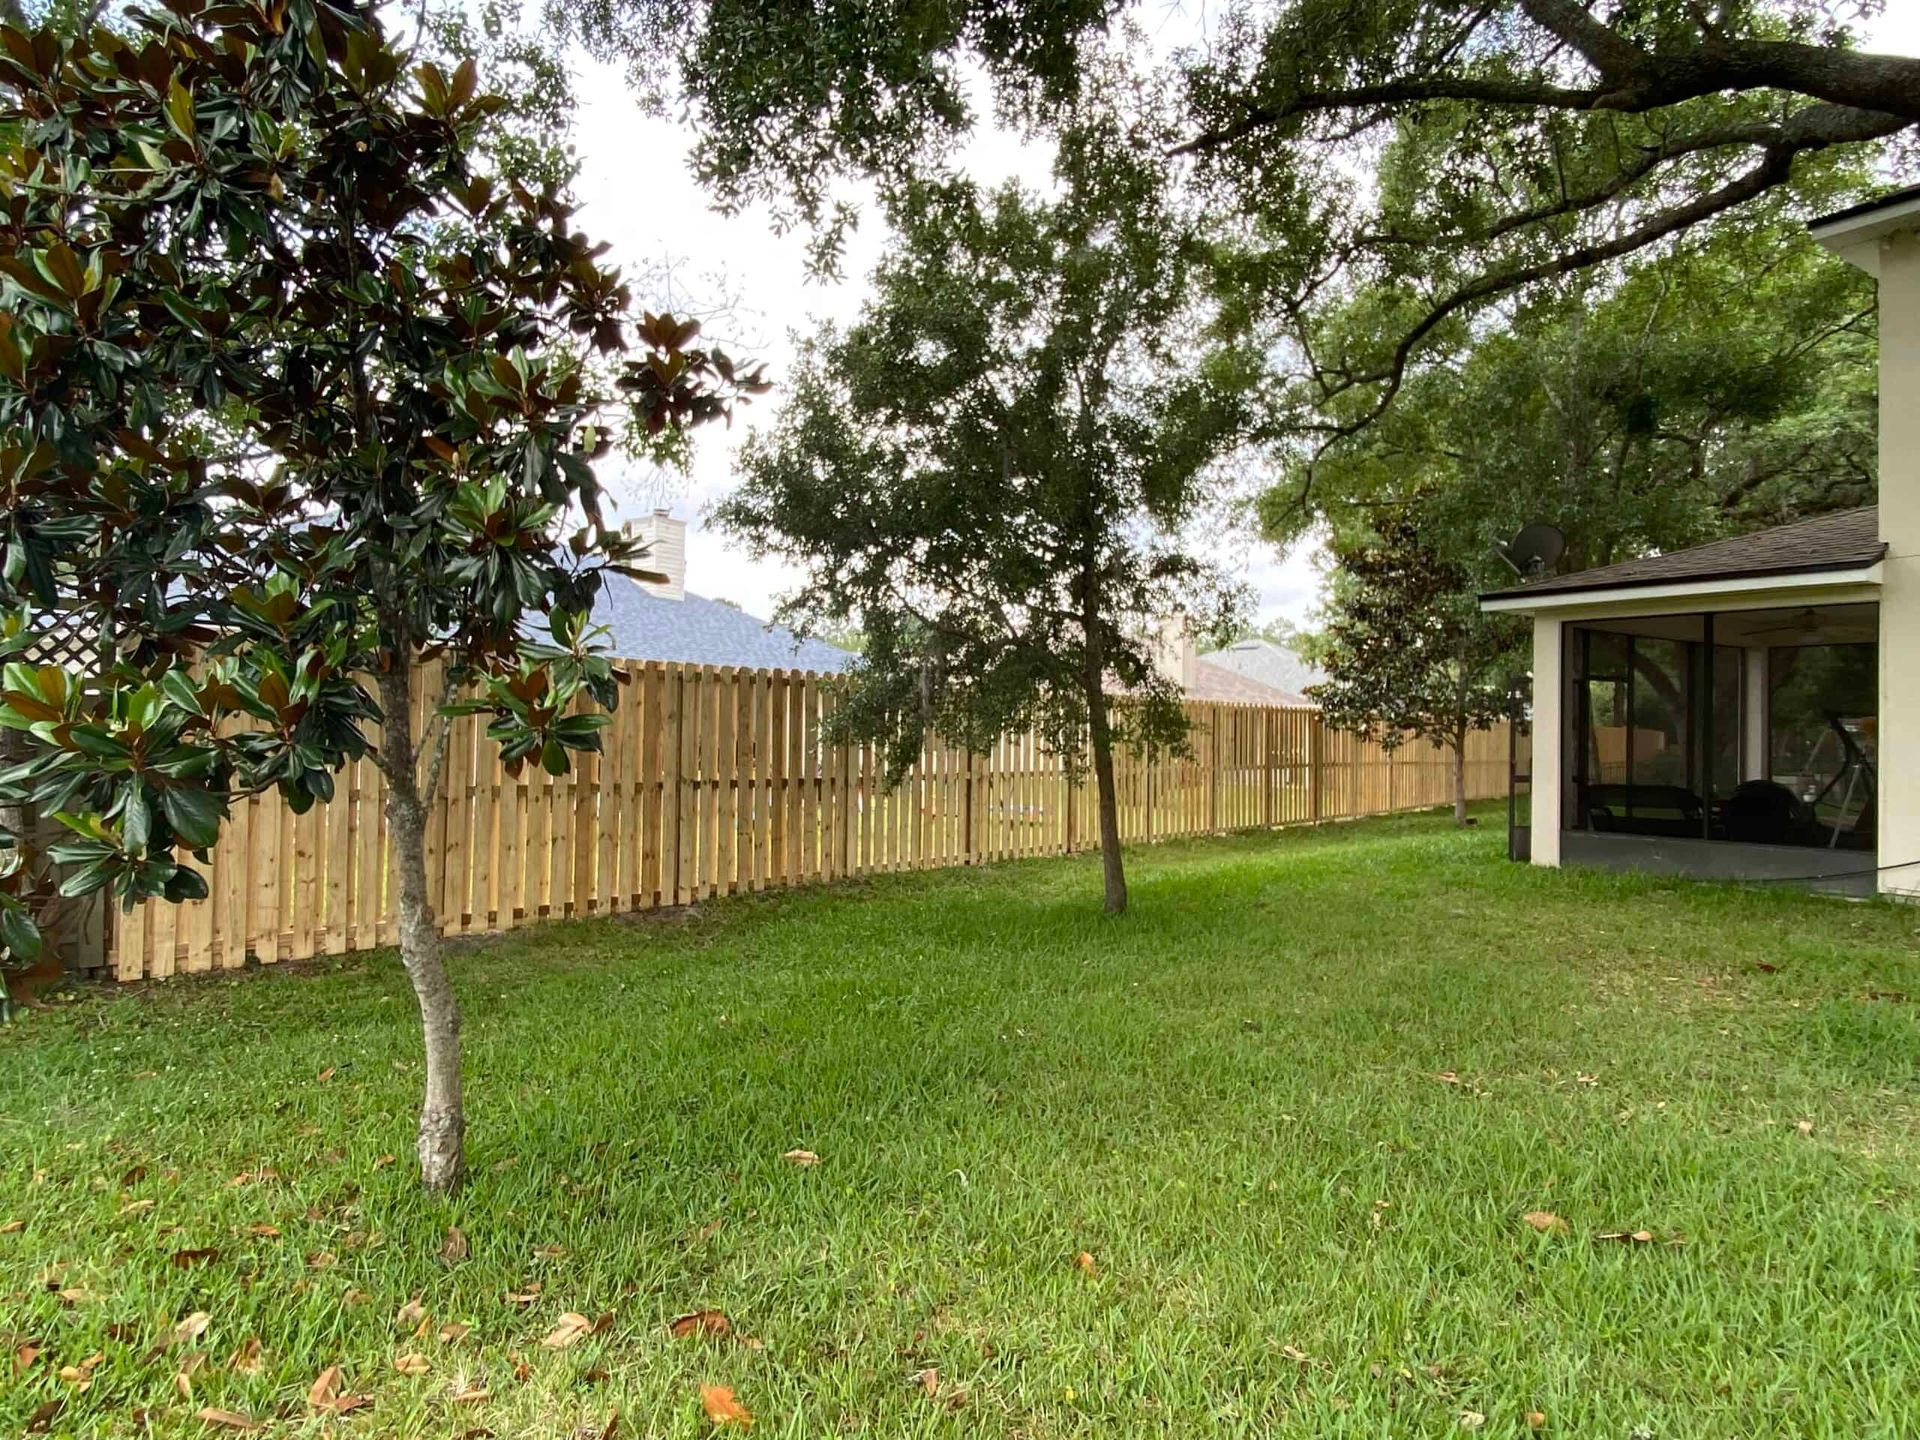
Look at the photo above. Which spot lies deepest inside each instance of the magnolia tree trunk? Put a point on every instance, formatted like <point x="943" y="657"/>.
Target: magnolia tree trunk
<point x="1460" y="778"/>
<point x="1100" y="732"/>
<point x="443" y="1119"/>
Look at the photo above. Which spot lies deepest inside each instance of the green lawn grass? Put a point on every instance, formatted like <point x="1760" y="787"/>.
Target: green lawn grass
<point x="1293" y="1107"/>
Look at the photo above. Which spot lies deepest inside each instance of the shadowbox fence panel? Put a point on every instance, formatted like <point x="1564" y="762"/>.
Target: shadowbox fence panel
<point x="715" y="780"/>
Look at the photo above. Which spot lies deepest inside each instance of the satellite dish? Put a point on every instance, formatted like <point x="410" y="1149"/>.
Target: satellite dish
<point x="1534" y="550"/>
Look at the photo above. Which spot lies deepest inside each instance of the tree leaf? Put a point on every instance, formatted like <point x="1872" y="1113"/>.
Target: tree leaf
<point x="195" y="815"/>
<point x="226" y="1419"/>
<point x="700" y="1322"/>
<point x="325" y="1388"/>
<point x="572" y="1327"/>
<point x="723" y="1408"/>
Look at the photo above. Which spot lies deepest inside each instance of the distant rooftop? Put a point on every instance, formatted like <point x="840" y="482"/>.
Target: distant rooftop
<point x="694" y="630"/>
<point x="1273" y="666"/>
<point x="1217" y="682"/>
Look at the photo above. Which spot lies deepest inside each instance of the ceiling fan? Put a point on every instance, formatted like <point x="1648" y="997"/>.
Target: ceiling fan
<point x="1811" y="627"/>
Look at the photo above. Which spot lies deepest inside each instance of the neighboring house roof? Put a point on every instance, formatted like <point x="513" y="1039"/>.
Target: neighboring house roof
<point x="1848" y="540"/>
<point x="1267" y="664"/>
<point x="697" y="631"/>
<point x="1217" y="682"/>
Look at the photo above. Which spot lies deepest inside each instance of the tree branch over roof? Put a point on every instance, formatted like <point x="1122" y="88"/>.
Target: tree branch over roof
<point x="1511" y="143"/>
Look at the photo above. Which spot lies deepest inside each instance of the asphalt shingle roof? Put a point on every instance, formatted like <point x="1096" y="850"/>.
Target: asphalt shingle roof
<point x="1847" y="540"/>
<point x="1217" y="682"/>
<point x="699" y="631"/>
<point x="1268" y="664"/>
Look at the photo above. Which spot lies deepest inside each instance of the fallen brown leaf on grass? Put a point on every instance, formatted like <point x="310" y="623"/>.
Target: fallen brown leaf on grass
<point x="199" y="1256"/>
<point x="523" y="1297"/>
<point x="264" y="1231"/>
<point x="572" y="1327"/>
<point x="24" y="1356"/>
<point x="246" y="1359"/>
<point x="322" y="1260"/>
<point x="193" y="1327"/>
<point x="132" y="1207"/>
<point x="1546" y="1222"/>
<point x="13" y="1227"/>
<point x="1087" y="1263"/>
<point x="1471" y="1419"/>
<point x="453" y="1249"/>
<point x="44" y="1414"/>
<point x="325" y="1389"/>
<point x="227" y="1419"/>
<point x="325" y="1075"/>
<point x="700" y="1322"/>
<point x="454" y="1331"/>
<point x="549" y="1252"/>
<point x="928" y="1380"/>
<point x="1633" y="1237"/>
<point x="380" y="1162"/>
<point x="74" y="1295"/>
<point x="411" y="1313"/>
<point x="411" y="1364"/>
<point x="1536" y="1419"/>
<point x="723" y="1408"/>
<point x="465" y="1394"/>
<point x="802" y="1158"/>
<point x="1805" y="1127"/>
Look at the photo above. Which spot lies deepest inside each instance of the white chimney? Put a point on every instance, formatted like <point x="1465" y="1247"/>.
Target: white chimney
<point x="1174" y="653"/>
<point x="666" y="542"/>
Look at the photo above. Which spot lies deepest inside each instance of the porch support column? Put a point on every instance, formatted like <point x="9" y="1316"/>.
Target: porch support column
<point x="1899" y="719"/>
<point x="1549" y="744"/>
<point x="1754" y="761"/>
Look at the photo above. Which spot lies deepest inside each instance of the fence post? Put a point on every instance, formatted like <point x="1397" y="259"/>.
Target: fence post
<point x="969" y="830"/>
<point x="1314" y="783"/>
<point x="1213" y="772"/>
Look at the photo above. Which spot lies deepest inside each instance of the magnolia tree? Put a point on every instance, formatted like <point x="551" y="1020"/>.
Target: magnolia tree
<point x="295" y="395"/>
<point x="1408" y="653"/>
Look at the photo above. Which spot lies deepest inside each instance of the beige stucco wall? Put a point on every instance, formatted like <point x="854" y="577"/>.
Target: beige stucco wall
<point x="1899" y="270"/>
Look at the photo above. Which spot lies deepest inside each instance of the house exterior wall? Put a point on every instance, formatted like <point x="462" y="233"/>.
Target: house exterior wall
<point x="1549" y="738"/>
<point x="1899" y="739"/>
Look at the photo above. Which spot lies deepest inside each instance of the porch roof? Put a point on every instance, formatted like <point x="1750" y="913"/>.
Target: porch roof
<point x="1848" y="541"/>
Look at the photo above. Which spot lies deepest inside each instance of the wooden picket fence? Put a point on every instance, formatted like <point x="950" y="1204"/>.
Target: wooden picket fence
<point x="715" y="780"/>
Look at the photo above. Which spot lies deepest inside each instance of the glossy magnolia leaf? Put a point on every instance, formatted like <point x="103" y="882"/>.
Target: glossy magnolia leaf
<point x="195" y="815"/>
<point x="19" y="936"/>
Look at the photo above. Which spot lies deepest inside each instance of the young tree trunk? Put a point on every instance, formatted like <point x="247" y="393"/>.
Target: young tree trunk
<point x="1460" y="777"/>
<point x="1100" y="734"/>
<point x="443" y="1120"/>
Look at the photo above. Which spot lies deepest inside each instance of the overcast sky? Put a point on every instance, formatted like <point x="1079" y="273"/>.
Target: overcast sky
<point x="638" y="196"/>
